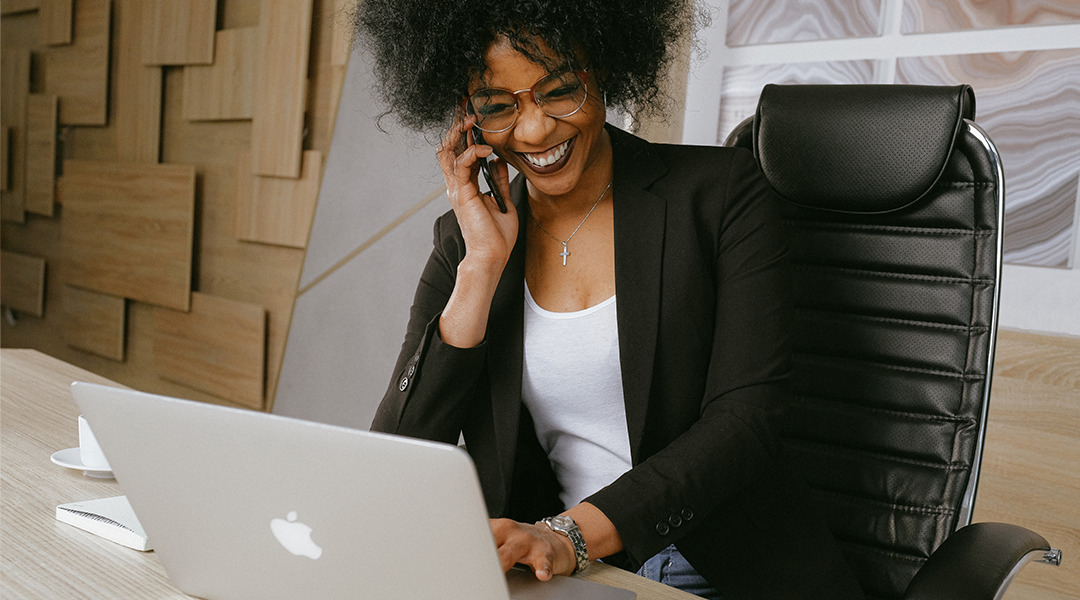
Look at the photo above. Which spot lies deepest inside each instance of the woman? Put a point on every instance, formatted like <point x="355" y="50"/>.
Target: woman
<point x="612" y="345"/>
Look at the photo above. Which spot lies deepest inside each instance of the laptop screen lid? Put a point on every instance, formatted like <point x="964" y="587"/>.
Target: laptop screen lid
<point x="227" y="497"/>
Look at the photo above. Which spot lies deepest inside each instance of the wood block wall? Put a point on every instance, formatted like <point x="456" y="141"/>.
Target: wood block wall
<point x="148" y="182"/>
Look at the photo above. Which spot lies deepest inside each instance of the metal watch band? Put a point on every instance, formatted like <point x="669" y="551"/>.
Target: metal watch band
<point x="566" y="526"/>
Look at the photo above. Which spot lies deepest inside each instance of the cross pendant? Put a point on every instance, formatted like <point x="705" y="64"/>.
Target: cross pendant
<point x="564" y="253"/>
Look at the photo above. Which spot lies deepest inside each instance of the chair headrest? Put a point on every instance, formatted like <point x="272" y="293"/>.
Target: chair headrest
<point x="858" y="148"/>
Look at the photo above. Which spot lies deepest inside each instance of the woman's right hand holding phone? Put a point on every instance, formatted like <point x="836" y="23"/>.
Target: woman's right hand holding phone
<point x="489" y="233"/>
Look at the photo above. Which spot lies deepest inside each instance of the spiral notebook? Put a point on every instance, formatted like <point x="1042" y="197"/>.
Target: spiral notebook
<point x="110" y="518"/>
<point x="244" y="504"/>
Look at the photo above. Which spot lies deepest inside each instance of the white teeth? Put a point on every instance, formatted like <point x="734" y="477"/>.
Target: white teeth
<point x="552" y="158"/>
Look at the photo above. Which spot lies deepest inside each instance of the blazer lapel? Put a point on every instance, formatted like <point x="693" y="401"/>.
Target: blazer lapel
<point x="639" y="246"/>
<point x="506" y="334"/>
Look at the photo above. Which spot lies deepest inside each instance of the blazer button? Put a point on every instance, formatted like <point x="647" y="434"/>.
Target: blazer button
<point x="404" y="383"/>
<point x="675" y="520"/>
<point x="687" y="514"/>
<point x="662" y="528"/>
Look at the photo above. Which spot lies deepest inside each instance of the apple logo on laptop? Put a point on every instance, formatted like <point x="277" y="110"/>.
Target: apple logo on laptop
<point x="295" y="536"/>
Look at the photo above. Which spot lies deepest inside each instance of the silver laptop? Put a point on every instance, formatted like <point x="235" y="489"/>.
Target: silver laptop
<point x="243" y="504"/>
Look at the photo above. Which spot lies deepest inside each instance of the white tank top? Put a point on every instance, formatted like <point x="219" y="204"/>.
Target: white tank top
<point x="572" y="386"/>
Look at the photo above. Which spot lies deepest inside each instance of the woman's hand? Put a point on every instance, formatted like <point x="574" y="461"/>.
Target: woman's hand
<point x="538" y="547"/>
<point x="488" y="233"/>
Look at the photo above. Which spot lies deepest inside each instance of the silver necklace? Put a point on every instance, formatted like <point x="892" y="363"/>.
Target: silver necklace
<point x="565" y="251"/>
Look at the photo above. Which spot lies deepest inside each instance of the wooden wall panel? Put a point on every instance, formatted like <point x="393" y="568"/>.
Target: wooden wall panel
<point x="178" y="32"/>
<point x="22" y="283"/>
<point x="223" y="90"/>
<point x="4" y="165"/>
<point x="94" y="322"/>
<point x="11" y="7"/>
<point x="15" y="73"/>
<point x="41" y="115"/>
<point x="218" y="347"/>
<point x="5" y="155"/>
<point x="280" y="90"/>
<point x="55" y="22"/>
<point x="277" y="210"/>
<point x="79" y="73"/>
<point x="342" y="36"/>
<point x="137" y="103"/>
<point x="323" y="99"/>
<point x="233" y="14"/>
<point x="145" y="125"/>
<point x="127" y="229"/>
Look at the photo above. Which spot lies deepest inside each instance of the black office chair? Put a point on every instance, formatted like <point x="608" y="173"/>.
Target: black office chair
<point x="894" y="202"/>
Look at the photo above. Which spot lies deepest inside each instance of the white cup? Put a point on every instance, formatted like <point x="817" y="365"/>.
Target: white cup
<point x="90" y="453"/>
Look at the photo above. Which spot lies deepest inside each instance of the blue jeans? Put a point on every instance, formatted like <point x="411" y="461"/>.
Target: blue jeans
<point x="669" y="567"/>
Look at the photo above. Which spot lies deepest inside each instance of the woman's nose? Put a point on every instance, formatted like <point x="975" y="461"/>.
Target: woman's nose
<point x="533" y="125"/>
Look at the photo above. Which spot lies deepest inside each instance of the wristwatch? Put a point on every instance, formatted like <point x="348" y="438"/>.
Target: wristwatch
<point x="565" y="525"/>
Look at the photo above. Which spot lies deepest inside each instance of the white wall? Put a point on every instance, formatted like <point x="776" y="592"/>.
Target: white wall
<point x="380" y="196"/>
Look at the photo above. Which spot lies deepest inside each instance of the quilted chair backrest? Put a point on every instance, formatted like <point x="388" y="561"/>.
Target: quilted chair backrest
<point x="894" y="206"/>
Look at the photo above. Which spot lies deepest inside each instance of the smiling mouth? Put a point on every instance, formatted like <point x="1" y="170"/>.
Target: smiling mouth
<point x="549" y="160"/>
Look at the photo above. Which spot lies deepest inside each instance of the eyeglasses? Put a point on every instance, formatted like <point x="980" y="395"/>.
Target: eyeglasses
<point x="559" y="95"/>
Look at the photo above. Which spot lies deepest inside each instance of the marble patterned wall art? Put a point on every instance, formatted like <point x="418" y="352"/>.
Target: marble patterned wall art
<point x="742" y="85"/>
<point x="754" y="22"/>
<point x="1029" y="103"/>
<point x="927" y="16"/>
<point x="1051" y="222"/>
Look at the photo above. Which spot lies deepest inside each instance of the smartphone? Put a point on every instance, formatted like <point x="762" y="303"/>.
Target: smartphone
<point x="478" y="137"/>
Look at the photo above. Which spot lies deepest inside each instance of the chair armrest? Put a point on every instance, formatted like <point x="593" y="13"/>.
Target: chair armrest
<point x="977" y="562"/>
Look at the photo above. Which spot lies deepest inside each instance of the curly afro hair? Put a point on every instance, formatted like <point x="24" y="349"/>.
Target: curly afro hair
<point x="426" y="51"/>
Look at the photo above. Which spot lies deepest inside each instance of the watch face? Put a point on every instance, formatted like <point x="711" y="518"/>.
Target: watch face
<point x="562" y="522"/>
<point x="566" y="525"/>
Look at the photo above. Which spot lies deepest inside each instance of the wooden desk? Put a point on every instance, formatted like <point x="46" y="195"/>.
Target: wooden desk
<point x="43" y="558"/>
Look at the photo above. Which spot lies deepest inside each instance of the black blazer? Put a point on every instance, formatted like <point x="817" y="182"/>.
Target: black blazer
<point x="703" y="317"/>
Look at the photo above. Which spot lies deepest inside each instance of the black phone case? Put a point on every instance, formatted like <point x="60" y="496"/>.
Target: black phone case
<point x="486" y="170"/>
